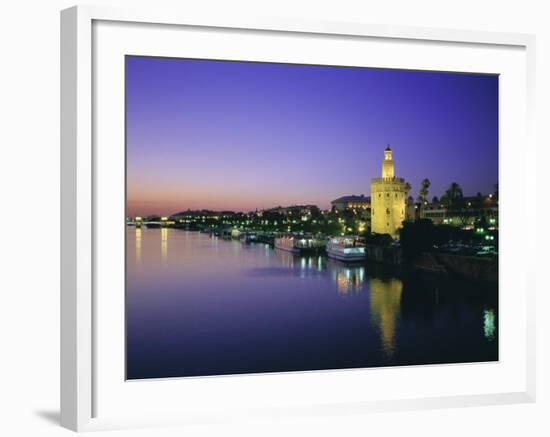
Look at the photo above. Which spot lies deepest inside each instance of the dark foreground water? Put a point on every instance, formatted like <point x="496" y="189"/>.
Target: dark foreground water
<point x="198" y="305"/>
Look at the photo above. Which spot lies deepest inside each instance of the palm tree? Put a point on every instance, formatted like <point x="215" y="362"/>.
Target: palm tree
<point x="479" y="200"/>
<point x="453" y="196"/>
<point x="424" y="190"/>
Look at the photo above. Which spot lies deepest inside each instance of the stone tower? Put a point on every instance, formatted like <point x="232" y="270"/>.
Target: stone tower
<point x="388" y="198"/>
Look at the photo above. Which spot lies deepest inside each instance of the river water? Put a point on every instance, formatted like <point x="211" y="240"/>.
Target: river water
<point x="200" y="305"/>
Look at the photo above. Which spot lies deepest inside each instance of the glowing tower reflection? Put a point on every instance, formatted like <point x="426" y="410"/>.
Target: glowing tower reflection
<point x="385" y="306"/>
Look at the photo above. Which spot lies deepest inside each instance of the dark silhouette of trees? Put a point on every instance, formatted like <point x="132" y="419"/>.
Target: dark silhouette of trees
<point x="453" y="197"/>
<point x="423" y="236"/>
<point x="424" y="190"/>
<point x="379" y="239"/>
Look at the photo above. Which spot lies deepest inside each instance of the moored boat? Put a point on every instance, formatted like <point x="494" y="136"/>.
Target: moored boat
<point x="347" y="248"/>
<point x="299" y="244"/>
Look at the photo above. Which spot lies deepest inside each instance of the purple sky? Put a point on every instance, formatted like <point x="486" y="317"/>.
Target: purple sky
<point x="241" y="136"/>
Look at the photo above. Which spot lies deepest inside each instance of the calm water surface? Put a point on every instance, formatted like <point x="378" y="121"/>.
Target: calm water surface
<point x="198" y="305"/>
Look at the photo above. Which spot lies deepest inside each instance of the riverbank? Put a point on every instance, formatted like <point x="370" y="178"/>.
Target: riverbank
<point x="469" y="267"/>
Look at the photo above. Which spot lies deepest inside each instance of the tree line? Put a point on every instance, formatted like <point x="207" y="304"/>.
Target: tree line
<point x="452" y="199"/>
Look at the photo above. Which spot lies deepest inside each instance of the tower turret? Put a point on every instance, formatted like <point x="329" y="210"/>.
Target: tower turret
<point x="387" y="164"/>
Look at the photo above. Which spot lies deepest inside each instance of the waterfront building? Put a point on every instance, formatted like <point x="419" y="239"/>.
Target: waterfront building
<point x="388" y="197"/>
<point x="351" y="202"/>
<point x="466" y="214"/>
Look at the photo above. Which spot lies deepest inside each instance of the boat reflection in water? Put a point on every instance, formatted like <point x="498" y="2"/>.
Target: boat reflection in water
<point x="349" y="279"/>
<point x="304" y="265"/>
<point x="197" y="305"/>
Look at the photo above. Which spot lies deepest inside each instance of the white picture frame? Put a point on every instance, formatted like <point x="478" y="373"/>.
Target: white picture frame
<point x="80" y="167"/>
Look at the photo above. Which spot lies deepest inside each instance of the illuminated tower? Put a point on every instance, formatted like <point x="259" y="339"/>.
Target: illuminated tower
<point x="387" y="164"/>
<point x="388" y="197"/>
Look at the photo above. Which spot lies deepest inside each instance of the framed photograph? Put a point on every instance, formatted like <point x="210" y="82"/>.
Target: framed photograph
<point x="270" y="218"/>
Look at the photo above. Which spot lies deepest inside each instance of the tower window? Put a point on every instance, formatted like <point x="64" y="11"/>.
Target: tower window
<point x="387" y="210"/>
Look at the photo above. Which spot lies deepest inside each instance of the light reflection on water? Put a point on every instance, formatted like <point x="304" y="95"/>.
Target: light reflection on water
<point x="164" y="244"/>
<point x="138" y="245"/>
<point x="489" y="326"/>
<point x="202" y="305"/>
<point x="349" y="279"/>
<point x="385" y="300"/>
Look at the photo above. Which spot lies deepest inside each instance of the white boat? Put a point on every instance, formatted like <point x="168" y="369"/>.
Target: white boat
<point x="346" y="249"/>
<point x="286" y="243"/>
<point x="298" y="244"/>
